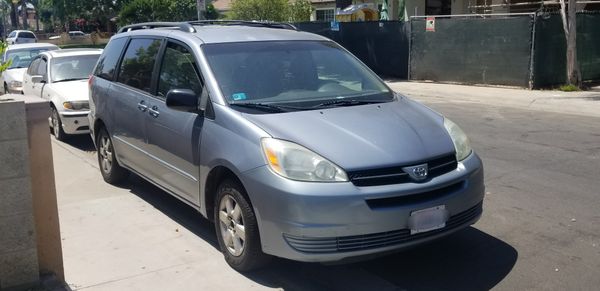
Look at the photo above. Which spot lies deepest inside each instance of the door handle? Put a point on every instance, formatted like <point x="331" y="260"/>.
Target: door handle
<point x="142" y="106"/>
<point x="154" y="111"/>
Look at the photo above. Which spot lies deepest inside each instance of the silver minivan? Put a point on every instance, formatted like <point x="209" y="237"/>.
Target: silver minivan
<point x="291" y="145"/>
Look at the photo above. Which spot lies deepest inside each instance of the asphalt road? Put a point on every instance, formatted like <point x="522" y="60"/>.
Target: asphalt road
<point x="540" y="228"/>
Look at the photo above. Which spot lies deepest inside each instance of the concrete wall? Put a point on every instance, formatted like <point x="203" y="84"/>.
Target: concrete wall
<point x="30" y="242"/>
<point x="18" y="250"/>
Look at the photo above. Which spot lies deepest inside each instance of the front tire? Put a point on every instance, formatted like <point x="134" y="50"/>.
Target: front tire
<point x="237" y="229"/>
<point x="59" y="133"/>
<point x="111" y="171"/>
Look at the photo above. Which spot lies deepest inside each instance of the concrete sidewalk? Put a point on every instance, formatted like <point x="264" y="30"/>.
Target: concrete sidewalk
<point x="585" y="103"/>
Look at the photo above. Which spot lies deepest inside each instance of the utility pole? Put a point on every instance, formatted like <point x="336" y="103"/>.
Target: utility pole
<point x="568" y="12"/>
<point x="201" y="7"/>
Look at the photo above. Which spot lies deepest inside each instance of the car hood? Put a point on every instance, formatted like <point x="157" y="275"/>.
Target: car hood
<point x="14" y="75"/>
<point x="362" y="137"/>
<point x="72" y="90"/>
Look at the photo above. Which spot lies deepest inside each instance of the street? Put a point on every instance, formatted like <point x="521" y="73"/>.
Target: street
<point x="540" y="228"/>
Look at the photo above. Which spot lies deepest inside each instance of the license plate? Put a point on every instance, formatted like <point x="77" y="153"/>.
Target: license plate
<point x="428" y="219"/>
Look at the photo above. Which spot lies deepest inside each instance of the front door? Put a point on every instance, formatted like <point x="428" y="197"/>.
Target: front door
<point x="174" y="136"/>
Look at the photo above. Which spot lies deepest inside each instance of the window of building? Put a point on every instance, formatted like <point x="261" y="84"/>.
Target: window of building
<point x="325" y="14"/>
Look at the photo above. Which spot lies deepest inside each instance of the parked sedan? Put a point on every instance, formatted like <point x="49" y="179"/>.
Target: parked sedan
<point x="20" y="56"/>
<point x="61" y="77"/>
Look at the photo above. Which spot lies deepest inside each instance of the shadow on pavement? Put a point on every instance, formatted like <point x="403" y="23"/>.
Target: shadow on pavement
<point x="467" y="260"/>
<point x="180" y="212"/>
<point x="81" y="141"/>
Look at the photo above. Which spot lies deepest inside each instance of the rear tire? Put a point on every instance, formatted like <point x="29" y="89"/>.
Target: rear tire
<point x="237" y="229"/>
<point x="111" y="171"/>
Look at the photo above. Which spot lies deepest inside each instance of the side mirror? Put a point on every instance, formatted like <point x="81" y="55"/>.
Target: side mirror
<point x="183" y="100"/>
<point x="37" y="79"/>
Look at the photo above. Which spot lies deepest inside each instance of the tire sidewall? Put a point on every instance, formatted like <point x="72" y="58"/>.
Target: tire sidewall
<point x="252" y="256"/>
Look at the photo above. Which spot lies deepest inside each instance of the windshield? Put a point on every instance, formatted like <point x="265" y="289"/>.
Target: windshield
<point x="302" y="74"/>
<point x="23" y="57"/>
<point x="72" y="68"/>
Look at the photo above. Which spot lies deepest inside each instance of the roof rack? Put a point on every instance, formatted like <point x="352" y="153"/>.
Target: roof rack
<point x="183" y="26"/>
<point x="282" y="25"/>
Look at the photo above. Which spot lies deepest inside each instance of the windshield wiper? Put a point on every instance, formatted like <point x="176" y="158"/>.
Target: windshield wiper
<point x="70" y="79"/>
<point x="348" y="102"/>
<point x="267" y="107"/>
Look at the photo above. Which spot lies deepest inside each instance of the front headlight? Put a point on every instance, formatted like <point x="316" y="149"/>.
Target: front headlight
<point x="76" y="105"/>
<point x="296" y="162"/>
<point x="15" y="84"/>
<point x="459" y="138"/>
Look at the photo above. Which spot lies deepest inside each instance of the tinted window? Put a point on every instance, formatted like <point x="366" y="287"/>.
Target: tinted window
<point x="72" y="68"/>
<point x="32" y="70"/>
<point x="138" y="63"/>
<point x="178" y="71"/>
<point x="108" y="61"/>
<point x="26" y="35"/>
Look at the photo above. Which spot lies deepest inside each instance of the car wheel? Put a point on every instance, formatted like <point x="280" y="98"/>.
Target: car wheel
<point x="111" y="171"/>
<point x="59" y="133"/>
<point x="237" y="229"/>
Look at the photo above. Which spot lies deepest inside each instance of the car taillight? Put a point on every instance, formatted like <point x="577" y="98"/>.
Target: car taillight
<point x="91" y="81"/>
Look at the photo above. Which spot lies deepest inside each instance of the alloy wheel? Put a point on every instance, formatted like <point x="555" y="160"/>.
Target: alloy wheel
<point x="231" y="223"/>
<point x="106" y="153"/>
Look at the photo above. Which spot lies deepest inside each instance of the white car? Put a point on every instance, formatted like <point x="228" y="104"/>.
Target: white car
<point x="62" y="78"/>
<point x="21" y="36"/>
<point x="21" y="55"/>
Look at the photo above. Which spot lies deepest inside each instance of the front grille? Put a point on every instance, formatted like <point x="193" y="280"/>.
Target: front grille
<point x="395" y="175"/>
<point x="83" y="128"/>
<point x="375" y="240"/>
<point x="415" y="198"/>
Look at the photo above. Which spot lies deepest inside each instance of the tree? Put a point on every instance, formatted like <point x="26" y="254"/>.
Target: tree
<point x="266" y="10"/>
<point x="569" y="19"/>
<point x="300" y="10"/>
<point x="157" y="10"/>
<point x="271" y="10"/>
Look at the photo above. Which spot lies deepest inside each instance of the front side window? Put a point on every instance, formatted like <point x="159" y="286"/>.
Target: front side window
<point x="72" y="68"/>
<point x="298" y="73"/>
<point x="32" y="70"/>
<point x="42" y="69"/>
<point x="138" y="63"/>
<point x="110" y="57"/>
<point x="179" y="71"/>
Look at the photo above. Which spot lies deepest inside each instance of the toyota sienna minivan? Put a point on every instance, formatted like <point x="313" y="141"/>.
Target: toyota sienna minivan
<point x="291" y="145"/>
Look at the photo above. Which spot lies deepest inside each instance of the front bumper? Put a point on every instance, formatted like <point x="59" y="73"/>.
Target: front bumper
<point x="327" y="222"/>
<point x="75" y="122"/>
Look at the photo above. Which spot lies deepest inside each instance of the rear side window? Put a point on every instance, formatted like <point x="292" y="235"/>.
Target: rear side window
<point x="138" y="63"/>
<point x="107" y="63"/>
<point x="26" y="34"/>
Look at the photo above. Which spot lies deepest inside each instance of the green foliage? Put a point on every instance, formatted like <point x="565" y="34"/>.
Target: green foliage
<point x="300" y="10"/>
<point x="569" y="88"/>
<point x="157" y="10"/>
<point x="272" y="10"/>
<point x="4" y="66"/>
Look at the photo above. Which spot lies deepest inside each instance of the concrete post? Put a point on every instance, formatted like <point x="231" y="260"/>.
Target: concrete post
<point x="29" y="231"/>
